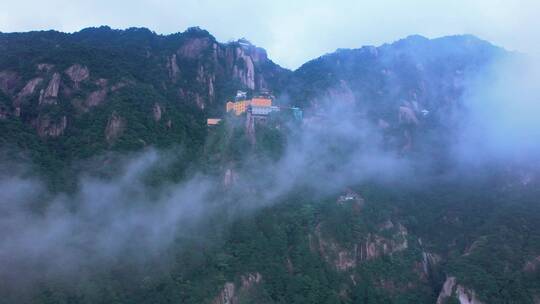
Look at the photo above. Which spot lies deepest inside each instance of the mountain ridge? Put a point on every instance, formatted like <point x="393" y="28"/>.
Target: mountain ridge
<point x="335" y="208"/>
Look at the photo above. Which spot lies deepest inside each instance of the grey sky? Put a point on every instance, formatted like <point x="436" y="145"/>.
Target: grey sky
<point x="293" y="31"/>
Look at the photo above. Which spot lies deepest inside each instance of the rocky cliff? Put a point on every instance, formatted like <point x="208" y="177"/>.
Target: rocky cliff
<point x="453" y="290"/>
<point x="75" y="73"/>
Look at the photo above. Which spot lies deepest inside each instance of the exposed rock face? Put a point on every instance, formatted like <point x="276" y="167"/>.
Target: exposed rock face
<point x="212" y="63"/>
<point x="250" y="279"/>
<point x="194" y="48"/>
<point x="50" y="94"/>
<point x="407" y="116"/>
<point x="341" y="258"/>
<point x="376" y="245"/>
<point x="29" y="88"/>
<point x="229" y="177"/>
<point x="172" y="67"/>
<point x="8" y="82"/>
<point x="200" y="70"/>
<point x="78" y="73"/>
<point x="230" y="294"/>
<point x="46" y="127"/>
<point x="44" y="67"/>
<point x="227" y="295"/>
<point x="156" y="111"/>
<point x="211" y="81"/>
<point x="451" y="289"/>
<point x="102" y="82"/>
<point x="373" y="247"/>
<point x="258" y="54"/>
<point x="26" y="91"/>
<point x="447" y="290"/>
<point x="96" y="98"/>
<point x="244" y="69"/>
<point x="115" y="128"/>
<point x="346" y="259"/>
<point x="429" y="260"/>
<point x="199" y="101"/>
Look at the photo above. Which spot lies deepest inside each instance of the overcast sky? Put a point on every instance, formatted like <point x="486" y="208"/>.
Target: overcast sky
<point x="292" y="31"/>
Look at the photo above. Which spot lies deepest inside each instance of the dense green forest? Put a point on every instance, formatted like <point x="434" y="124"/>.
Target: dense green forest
<point x="104" y="128"/>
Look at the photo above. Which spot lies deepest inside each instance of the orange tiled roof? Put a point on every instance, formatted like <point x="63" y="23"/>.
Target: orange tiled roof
<point x="213" y="121"/>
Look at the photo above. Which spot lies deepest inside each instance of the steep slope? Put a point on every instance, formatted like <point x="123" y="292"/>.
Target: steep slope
<point x="73" y="96"/>
<point x="450" y="238"/>
<point x="400" y="86"/>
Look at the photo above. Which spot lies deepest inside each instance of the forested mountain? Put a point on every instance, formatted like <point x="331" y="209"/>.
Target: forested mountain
<point x="71" y="96"/>
<point x="114" y="189"/>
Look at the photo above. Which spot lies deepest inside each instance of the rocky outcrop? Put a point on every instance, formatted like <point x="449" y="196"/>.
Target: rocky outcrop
<point x="250" y="279"/>
<point x="47" y="127"/>
<point x="372" y="246"/>
<point x="29" y="88"/>
<point x="227" y="294"/>
<point x="77" y="73"/>
<point x="194" y="48"/>
<point x="8" y="82"/>
<point x="96" y="98"/>
<point x="407" y="116"/>
<point x="27" y="91"/>
<point x="172" y="67"/>
<point x="343" y="259"/>
<point x="99" y="96"/>
<point x="156" y="112"/>
<point x="376" y="245"/>
<point x="244" y="69"/>
<point x="231" y="294"/>
<point x="229" y="178"/>
<point x="452" y="289"/>
<point x="196" y="71"/>
<point x="50" y="94"/>
<point x="447" y="290"/>
<point x="429" y="261"/>
<point x="115" y="128"/>
<point x="44" y="67"/>
<point x="211" y="90"/>
<point x="199" y="101"/>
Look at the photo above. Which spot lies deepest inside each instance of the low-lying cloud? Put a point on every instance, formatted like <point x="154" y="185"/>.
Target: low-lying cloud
<point x="122" y="217"/>
<point x="54" y="235"/>
<point x="502" y="105"/>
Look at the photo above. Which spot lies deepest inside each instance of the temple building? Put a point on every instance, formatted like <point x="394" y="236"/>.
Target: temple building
<point x="241" y="106"/>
